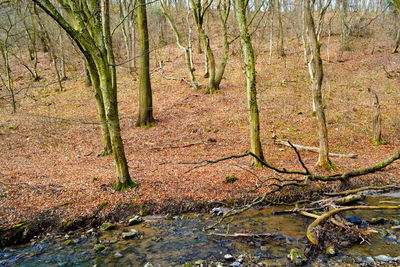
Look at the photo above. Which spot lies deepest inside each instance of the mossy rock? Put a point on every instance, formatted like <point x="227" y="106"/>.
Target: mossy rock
<point x="107" y="226"/>
<point x="15" y="234"/>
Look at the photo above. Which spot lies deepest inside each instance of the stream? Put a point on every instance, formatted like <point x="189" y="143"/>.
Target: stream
<point x="180" y="241"/>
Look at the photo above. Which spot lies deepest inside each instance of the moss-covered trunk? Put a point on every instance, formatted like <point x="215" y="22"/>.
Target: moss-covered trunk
<point x="316" y="72"/>
<point x="145" y="117"/>
<point x="251" y="89"/>
<point x="93" y="76"/>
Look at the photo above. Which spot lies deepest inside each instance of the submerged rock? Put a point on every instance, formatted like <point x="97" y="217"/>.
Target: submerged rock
<point x="107" y="226"/>
<point x="99" y="247"/>
<point x="330" y="251"/>
<point x="131" y="234"/>
<point x="297" y="257"/>
<point x="135" y="220"/>
<point x="229" y="257"/>
<point x="383" y="258"/>
<point x="378" y="220"/>
<point x="118" y="255"/>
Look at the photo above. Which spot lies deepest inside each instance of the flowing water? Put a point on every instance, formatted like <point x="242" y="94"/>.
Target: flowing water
<point x="181" y="240"/>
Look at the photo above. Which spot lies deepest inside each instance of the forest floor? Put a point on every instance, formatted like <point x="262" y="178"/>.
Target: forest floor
<point x="49" y="148"/>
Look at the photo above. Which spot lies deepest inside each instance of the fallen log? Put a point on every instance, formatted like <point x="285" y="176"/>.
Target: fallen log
<point x="316" y="149"/>
<point x="311" y="236"/>
<point x="353" y="191"/>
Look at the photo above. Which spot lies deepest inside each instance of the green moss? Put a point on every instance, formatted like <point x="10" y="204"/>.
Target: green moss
<point x="148" y="125"/>
<point x="68" y="242"/>
<point x="230" y="179"/>
<point x="102" y="205"/>
<point x="15" y="234"/>
<point x="124" y="186"/>
<point x="66" y="203"/>
<point x="378" y="142"/>
<point x="66" y="225"/>
<point x="105" y="153"/>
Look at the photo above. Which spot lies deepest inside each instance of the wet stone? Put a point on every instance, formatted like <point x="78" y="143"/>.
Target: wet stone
<point x="383" y="258"/>
<point x="131" y="234"/>
<point x="107" y="226"/>
<point x="118" y="255"/>
<point x="297" y="257"/>
<point x="135" y="220"/>
<point x="99" y="247"/>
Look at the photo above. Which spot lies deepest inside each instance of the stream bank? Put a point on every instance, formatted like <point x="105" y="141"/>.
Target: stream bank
<point x="180" y="241"/>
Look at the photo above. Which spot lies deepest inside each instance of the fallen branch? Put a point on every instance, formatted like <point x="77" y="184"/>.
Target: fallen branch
<point x="315" y="149"/>
<point x="366" y="188"/>
<point x="310" y="229"/>
<point x="239" y="235"/>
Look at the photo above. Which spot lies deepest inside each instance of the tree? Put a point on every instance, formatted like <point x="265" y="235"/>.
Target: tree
<point x="145" y="118"/>
<point x="90" y="29"/>
<point x="395" y="6"/>
<point x="6" y="29"/>
<point x="251" y="89"/>
<point x="315" y="68"/>
<point x="186" y="49"/>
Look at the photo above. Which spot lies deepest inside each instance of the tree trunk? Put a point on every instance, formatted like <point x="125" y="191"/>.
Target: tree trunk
<point x="396" y="43"/>
<point x="376" y="120"/>
<point x="316" y="72"/>
<point x="108" y="85"/>
<point x="145" y="118"/>
<point x="93" y="76"/>
<point x="251" y="89"/>
<point x="281" y="45"/>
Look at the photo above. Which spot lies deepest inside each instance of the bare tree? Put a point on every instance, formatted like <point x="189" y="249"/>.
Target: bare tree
<point x="315" y="67"/>
<point x="251" y="89"/>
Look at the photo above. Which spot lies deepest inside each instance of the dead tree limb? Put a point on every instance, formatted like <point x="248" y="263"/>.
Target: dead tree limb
<point x="315" y="149"/>
<point x="366" y="188"/>
<point x="239" y="235"/>
<point x="310" y="229"/>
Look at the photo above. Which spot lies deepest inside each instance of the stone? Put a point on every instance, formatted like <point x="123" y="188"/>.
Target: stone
<point x="391" y="238"/>
<point x="383" y="258"/>
<point x="131" y="234"/>
<point x="369" y="260"/>
<point x="228" y="257"/>
<point x="200" y="263"/>
<point x="330" y="251"/>
<point x="378" y="220"/>
<point x="148" y="264"/>
<point x="135" y="220"/>
<point x="107" y="226"/>
<point x="297" y="257"/>
<point x="118" y="255"/>
<point x="236" y="264"/>
<point x="99" y="247"/>
<point x="217" y="211"/>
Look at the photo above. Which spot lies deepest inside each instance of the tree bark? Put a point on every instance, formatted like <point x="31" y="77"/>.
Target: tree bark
<point x="145" y="118"/>
<point x="249" y="61"/>
<point x="316" y="72"/>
